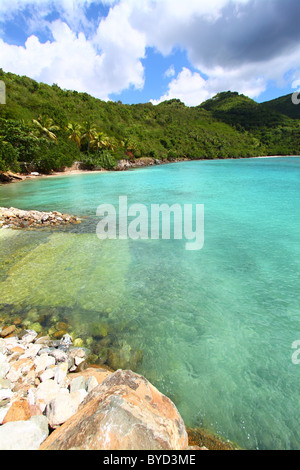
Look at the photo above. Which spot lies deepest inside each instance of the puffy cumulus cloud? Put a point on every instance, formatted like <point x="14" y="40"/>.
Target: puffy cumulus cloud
<point x="220" y="32"/>
<point x="249" y="79"/>
<point x="109" y="62"/>
<point x="189" y="87"/>
<point x="69" y="60"/>
<point x="237" y="45"/>
<point x="240" y="45"/>
<point x="122" y="48"/>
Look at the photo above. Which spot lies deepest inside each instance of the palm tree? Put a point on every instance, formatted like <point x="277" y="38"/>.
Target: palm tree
<point x="99" y="141"/>
<point x="89" y="132"/>
<point x="45" y="126"/>
<point x="111" y="143"/>
<point x="74" y="131"/>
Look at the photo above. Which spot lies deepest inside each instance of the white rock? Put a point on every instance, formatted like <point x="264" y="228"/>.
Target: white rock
<point x="43" y="362"/>
<point x="60" y="373"/>
<point x="29" y="337"/>
<point x="32" y="351"/>
<point x="5" y="393"/>
<point x="47" y="374"/>
<point x="63" y="407"/>
<point x="4" y="366"/>
<point x="24" y="435"/>
<point x="45" y="392"/>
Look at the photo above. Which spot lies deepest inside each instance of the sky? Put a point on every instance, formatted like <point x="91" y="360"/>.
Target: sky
<point x="138" y="51"/>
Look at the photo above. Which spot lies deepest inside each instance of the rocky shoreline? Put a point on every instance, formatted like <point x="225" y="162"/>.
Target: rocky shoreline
<point x="17" y="219"/>
<point x="52" y="399"/>
<point x="123" y="165"/>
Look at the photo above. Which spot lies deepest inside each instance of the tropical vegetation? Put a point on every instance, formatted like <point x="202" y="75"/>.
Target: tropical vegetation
<point x="45" y="128"/>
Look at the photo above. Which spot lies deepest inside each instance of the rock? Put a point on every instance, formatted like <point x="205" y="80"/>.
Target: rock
<point x="29" y="336"/>
<point x="5" y="393"/>
<point x="42" y="362"/>
<point x="66" y="341"/>
<point x="99" y="374"/>
<point x="78" y="343"/>
<point x="91" y="383"/>
<point x="3" y="347"/>
<point x="31" y="351"/>
<point x="60" y="373"/>
<point x="24" y="435"/>
<point x="46" y="375"/>
<point x="44" y="340"/>
<point x="8" y="330"/>
<point x="59" y="355"/>
<point x="4" y="366"/>
<point x="46" y="392"/>
<point x="20" y="368"/>
<point x="59" y="334"/>
<point x="79" y="383"/>
<point x="24" y="219"/>
<point x="125" y="412"/>
<point x="19" y="411"/>
<point x="63" y="406"/>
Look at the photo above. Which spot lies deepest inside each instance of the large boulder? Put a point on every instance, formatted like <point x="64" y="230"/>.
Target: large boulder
<point x="124" y="412"/>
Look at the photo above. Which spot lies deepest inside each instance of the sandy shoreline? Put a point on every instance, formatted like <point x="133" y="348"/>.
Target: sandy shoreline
<point x="20" y="177"/>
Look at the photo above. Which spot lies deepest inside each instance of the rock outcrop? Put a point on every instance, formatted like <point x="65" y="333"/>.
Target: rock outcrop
<point x="44" y="389"/>
<point x="16" y="218"/>
<point x="124" y="412"/>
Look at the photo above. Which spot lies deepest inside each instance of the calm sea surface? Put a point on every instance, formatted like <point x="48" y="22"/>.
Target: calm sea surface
<point x="212" y="329"/>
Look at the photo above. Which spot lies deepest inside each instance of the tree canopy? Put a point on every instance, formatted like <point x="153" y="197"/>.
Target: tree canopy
<point x="48" y="128"/>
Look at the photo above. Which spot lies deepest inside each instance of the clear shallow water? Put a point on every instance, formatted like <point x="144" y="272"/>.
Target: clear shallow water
<point x="215" y="326"/>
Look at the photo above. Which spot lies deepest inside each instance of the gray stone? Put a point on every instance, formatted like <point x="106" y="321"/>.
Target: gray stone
<point x="91" y="383"/>
<point x="24" y="435"/>
<point x="66" y="341"/>
<point x="59" y="355"/>
<point x="78" y="383"/>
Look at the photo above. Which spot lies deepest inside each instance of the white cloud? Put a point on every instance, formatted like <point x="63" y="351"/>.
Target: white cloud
<point x="170" y="72"/>
<point x="107" y="63"/>
<point x="122" y="48"/>
<point x="239" y="45"/>
<point x="189" y="87"/>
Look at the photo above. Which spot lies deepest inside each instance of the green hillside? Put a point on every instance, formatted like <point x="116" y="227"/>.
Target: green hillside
<point x="285" y="106"/>
<point x="46" y="128"/>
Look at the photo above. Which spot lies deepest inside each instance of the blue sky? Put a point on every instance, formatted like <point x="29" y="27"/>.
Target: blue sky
<point x="138" y="51"/>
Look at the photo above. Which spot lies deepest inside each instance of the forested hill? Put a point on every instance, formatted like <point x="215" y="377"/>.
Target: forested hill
<point x="46" y="128"/>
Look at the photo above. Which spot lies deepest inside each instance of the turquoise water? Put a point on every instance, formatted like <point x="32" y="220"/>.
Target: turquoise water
<point x="213" y="329"/>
